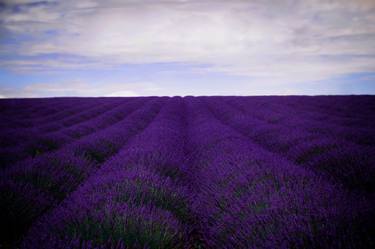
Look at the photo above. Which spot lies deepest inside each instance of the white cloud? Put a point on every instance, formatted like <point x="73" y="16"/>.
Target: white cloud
<point x="122" y="94"/>
<point x="82" y="89"/>
<point x="274" y="41"/>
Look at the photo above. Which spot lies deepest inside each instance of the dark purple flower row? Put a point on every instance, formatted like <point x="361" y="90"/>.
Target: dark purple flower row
<point x="41" y="112"/>
<point x="250" y="198"/>
<point x="138" y="199"/>
<point x="345" y="162"/>
<point x="217" y="172"/>
<point x="33" y="186"/>
<point x="11" y="135"/>
<point x="351" y="128"/>
<point x="39" y="142"/>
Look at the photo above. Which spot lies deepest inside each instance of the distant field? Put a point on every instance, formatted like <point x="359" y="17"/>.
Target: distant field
<point x="192" y="172"/>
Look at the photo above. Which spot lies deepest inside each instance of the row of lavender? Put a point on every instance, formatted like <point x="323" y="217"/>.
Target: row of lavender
<point x="51" y="132"/>
<point x="251" y="198"/>
<point x="34" y="185"/>
<point x="195" y="173"/>
<point x="330" y="149"/>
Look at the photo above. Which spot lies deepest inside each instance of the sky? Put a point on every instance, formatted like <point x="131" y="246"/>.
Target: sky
<point x="186" y="47"/>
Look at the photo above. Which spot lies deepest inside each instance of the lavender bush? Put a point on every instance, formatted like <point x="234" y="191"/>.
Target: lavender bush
<point x="192" y="172"/>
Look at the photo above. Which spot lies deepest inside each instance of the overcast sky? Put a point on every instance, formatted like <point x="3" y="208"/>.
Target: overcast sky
<point x="186" y="47"/>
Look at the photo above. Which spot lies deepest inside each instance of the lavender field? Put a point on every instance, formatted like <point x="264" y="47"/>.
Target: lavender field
<point x="191" y="172"/>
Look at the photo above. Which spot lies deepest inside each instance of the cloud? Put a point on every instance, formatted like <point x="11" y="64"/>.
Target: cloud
<point x="122" y="94"/>
<point x="273" y="41"/>
<point x="80" y="88"/>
